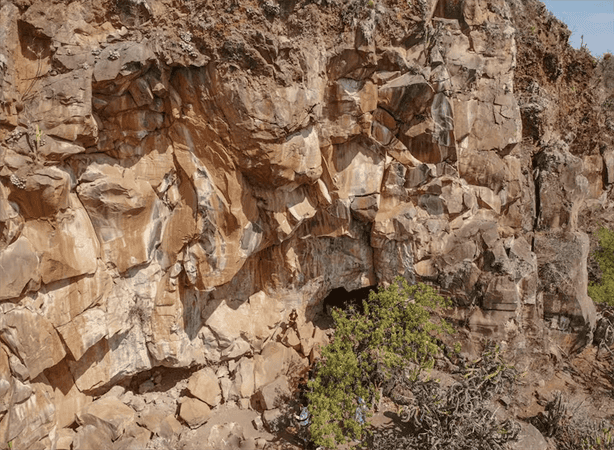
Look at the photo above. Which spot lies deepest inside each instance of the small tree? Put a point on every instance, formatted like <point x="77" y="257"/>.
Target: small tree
<point x="394" y="334"/>
<point x="603" y="292"/>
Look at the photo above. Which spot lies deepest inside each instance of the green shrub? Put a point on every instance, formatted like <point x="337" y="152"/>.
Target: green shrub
<point x="394" y="333"/>
<point x="603" y="292"/>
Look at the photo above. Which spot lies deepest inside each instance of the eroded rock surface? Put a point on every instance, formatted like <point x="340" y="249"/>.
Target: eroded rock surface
<point x="175" y="181"/>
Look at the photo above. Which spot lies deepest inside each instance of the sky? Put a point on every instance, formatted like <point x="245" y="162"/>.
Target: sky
<point x="593" y="19"/>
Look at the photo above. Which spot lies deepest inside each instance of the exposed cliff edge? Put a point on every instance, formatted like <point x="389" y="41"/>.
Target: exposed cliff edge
<point x="176" y="177"/>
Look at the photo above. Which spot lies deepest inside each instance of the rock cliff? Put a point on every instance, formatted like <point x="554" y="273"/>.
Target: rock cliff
<point x="178" y="177"/>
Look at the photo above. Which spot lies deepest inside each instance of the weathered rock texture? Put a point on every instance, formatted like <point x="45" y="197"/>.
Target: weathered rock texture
<point x="177" y="177"/>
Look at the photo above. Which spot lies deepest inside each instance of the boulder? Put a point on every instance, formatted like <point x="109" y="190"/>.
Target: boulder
<point x="194" y="412"/>
<point x="274" y="394"/>
<point x="135" y="438"/>
<point x="90" y="436"/>
<point x="243" y="383"/>
<point x="109" y="414"/>
<point x="204" y="385"/>
<point x="529" y="438"/>
<point x="169" y="428"/>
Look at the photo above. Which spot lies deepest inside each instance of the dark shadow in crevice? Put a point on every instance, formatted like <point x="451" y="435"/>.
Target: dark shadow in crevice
<point x="342" y="299"/>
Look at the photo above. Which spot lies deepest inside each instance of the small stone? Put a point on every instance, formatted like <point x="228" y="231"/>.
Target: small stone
<point x="147" y="386"/>
<point x="258" y="424"/>
<point x="136" y="403"/>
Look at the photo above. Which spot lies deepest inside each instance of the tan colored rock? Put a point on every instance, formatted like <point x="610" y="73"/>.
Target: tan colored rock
<point x="67" y="114"/>
<point x="243" y="383"/>
<point x="84" y="331"/>
<point x="32" y="338"/>
<point x="194" y="412"/>
<point x="111" y="359"/>
<point x="501" y="294"/>
<point x="45" y="193"/>
<point x="291" y="339"/>
<point x="69" y="401"/>
<point x="305" y="333"/>
<point x="29" y="421"/>
<point x="64" y="439"/>
<point x="608" y="162"/>
<point x="108" y="413"/>
<point x="66" y="299"/>
<point x="204" y="385"/>
<point x="272" y="419"/>
<point x="6" y="381"/>
<point x="231" y="325"/>
<point x="269" y="364"/>
<point x="19" y="267"/>
<point x="68" y="248"/>
<point x="133" y="56"/>
<point x="90" y="436"/>
<point x="593" y="172"/>
<point x="169" y="427"/>
<point x="356" y="96"/>
<point x="355" y="169"/>
<point x="125" y="213"/>
<point x="426" y="268"/>
<point x="173" y="327"/>
<point x="487" y="198"/>
<point x="274" y="394"/>
<point x="134" y="438"/>
<point x="9" y="41"/>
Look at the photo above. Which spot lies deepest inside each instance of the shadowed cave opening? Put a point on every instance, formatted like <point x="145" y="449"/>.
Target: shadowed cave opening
<point x="340" y="298"/>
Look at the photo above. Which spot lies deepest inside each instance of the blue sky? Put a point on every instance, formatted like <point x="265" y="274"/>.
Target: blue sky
<point x="593" y="19"/>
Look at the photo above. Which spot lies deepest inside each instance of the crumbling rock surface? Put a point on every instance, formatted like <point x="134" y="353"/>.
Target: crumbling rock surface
<point x="177" y="177"/>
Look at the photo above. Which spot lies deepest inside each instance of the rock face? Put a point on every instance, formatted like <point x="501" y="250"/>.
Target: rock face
<point x="169" y="197"/>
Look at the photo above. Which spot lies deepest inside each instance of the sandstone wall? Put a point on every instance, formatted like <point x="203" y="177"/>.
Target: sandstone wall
<point x="168" y="197"/>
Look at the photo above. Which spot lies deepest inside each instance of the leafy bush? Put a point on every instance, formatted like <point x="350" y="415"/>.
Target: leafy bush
<point x="394" y="334"/>
<point x="603" y="292"/>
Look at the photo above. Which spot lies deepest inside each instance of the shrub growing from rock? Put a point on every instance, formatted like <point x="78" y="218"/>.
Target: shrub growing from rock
<point x="394" y="334"/>
<point x="603" y="292"/>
